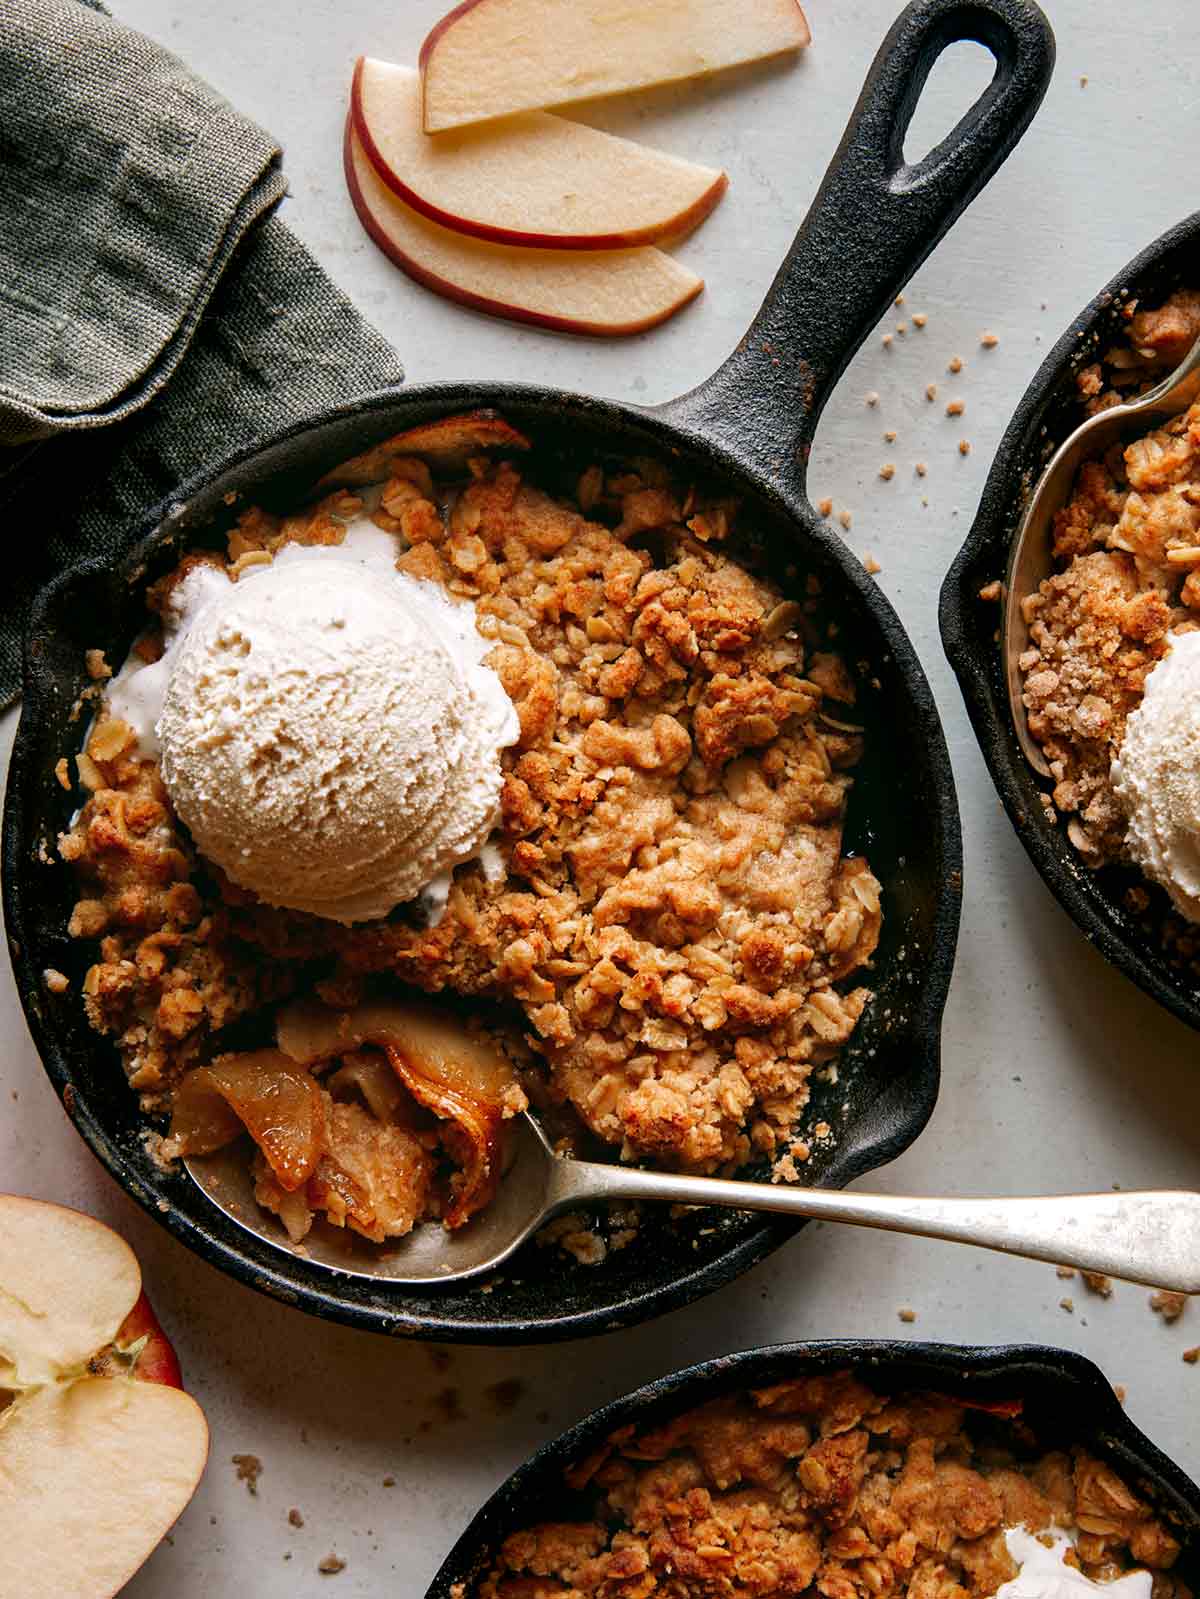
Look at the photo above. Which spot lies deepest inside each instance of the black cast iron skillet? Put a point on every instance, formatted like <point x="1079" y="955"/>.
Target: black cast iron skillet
<point x="1049" y="411"/>
<point x="1066" y="1400"/>
<point x="873" y="222"/>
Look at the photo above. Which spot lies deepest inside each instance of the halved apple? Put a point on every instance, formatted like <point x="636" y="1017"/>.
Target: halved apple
<point x="489" y="58"/>
<point x="100" y="1448"/>
<point x="571" y="291"/>
<point x="534" y="180"/>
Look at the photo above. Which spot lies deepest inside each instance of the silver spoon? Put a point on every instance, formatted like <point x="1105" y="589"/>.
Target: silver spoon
<point x="1030" y="560"/>
<point x="1150" y="1237"/>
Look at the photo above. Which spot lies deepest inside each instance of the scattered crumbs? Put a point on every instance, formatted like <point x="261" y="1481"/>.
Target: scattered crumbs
<point x="906" y="1313"/>
<point x="901" y="328"/>
<point x="389" y="1482"/>
<point x="1065" y="1272"/>
<point x="921" y="469"/>
<point x="887" y="341"/>
<point x="212" y="1521"/>
<point x="824" y="507"/>
<point x="504" y="1396"/>
<point x="964" y="446"/>
<point x="1097" y="1283"/>
<point x="955" y="408"/>
<point x="1167" y="1304"/>
<point x="330" y="1565"/>
<point x="872" y="565"/>
<point x="887" y="471"/>
<point x="845" y="519"/>
<point x="872" y="398"/>
<point x="295" y="1519"/>
<point x="1191" y="1356"/>
<point x="992" y="592"/>
<point x="931" y="392"/>
<point x="955" y="364"/>
<point x="988" y="340"/>
<point x="97" y="667"/>
<point x="1068" y="1305"/>
<point x="925" y="503"/>
<point x="899" y="299"/>
<point x="63" y="773"/>
<point x="287" y="1554"/>
<point x="249" y="1469"/>
<point x="1083" y="80"/>
<point x="919" y="319"/>
<point x="890" y="436"/>
<point x="1120" y="1390"/>
<point x="57" y="982"/>
<point x="439" y="1358"/>
<point x="1043" y="305"/>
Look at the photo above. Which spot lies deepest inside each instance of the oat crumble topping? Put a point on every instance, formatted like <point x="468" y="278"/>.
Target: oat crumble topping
<point x="821" y="1486"/>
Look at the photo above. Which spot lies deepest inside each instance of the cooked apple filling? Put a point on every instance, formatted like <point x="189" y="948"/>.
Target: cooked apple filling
<point x="667" y="921"/>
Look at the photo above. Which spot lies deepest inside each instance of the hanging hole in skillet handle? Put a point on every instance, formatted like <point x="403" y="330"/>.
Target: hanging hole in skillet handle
<point x="873" y="222"/>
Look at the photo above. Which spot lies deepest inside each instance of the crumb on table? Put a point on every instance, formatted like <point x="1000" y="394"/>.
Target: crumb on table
<point x="1168" y="1304"/>
<point x="295" y="1519"/>
<point x="887" y="471"/>
<point x="988" y="340"/>
<point x="249" y="1470"/>
<point x="964" y="446"/>
<point x="1068" y="1305"/>
<point x="329" y="1565"/>
<point x="1097" y="1283"/>
<point x="955" y="407"/>
<point x="906" y="1313"/>
<point x="955" y="364"/>
<point x="872" y="565"/>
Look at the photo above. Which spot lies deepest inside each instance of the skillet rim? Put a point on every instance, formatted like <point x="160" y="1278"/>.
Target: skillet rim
<point x="226" y="1247"/>
<point x="967" y="623"/>
<point x="1028" y="1366"/>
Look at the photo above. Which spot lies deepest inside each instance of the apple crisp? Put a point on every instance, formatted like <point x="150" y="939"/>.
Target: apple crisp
<point x="821" y="1486"/>
<point x="1127" y="555"/>
<point x="669" y="919"/>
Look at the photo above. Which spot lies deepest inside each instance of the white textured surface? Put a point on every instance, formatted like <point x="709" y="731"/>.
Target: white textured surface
<point x="1058" y="1074"/>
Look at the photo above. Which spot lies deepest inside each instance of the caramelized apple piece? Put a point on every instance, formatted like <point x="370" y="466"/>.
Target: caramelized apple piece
<point x="264" y="1091"/>
<point x="444" y="445"/>
<point x="461" y="1078"/>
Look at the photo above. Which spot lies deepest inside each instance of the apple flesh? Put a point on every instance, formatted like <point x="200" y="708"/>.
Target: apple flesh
<point x="602" y="292"/>
<point x="533" y="180"/>
<point x="489" y="58"/>
<point x="100" y="1448"/>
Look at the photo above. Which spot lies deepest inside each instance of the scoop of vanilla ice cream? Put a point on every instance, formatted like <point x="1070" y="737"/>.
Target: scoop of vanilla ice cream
<point x="1156" y="775"/>
<point x="331" y="736"/>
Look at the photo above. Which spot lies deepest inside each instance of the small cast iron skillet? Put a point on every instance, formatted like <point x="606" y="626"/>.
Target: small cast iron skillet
<point x="1066" y="1400"/>
<point x="1049" y="411"/>
<point x="873" y="222"/>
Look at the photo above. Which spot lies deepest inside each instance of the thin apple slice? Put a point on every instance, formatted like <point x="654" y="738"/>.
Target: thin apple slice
<point x="93" y="1473"/>
<point x="533" y="180"/>
<point x="489" y="58"/>
<point x="571" y="291"/>
<point x="67" y="1282"/>
<point x="445" y="446"/>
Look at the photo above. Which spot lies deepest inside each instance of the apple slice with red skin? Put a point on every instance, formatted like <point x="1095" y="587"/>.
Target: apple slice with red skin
<point x="534" y="180"/>
<point x="602" y="292"/>
<point x="100" y="1448"/>
<point x="490" y="58"/>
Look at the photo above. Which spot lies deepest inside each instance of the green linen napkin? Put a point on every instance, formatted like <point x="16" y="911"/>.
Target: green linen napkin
<point x="155" y="315"/>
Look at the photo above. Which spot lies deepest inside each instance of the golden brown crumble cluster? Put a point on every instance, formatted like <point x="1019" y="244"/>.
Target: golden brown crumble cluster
<point x="1127" y="550"/>
<point x="676" y="920"/>
<point x="820" y="1486"/>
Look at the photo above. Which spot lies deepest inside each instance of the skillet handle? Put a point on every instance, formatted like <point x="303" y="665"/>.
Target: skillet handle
<point x="873" y="222"/>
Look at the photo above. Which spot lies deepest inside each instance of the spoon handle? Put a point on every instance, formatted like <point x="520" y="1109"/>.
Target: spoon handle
<point x="1148" y="1236"/>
